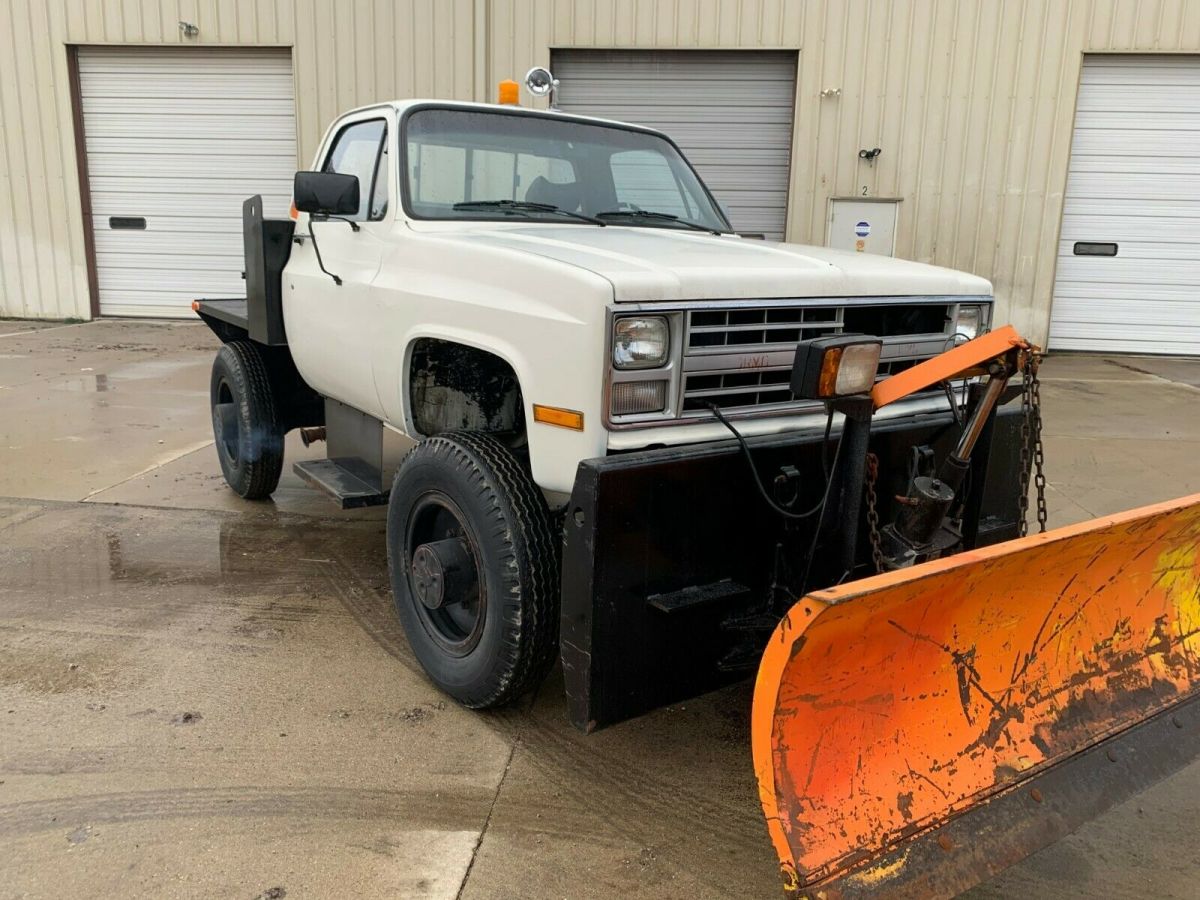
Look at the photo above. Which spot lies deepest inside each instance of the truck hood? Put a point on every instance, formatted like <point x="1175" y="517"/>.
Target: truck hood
<point x="660" y="264"/>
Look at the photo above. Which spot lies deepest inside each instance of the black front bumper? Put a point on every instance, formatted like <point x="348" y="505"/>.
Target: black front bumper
<point x="673" y="565"/>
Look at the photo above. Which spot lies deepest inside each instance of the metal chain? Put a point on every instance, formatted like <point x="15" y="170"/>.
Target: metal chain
<point x="1032" y="450"/>
<point x="1026" y="443"/>
<point x="873" y="512"/>
<point x="1039" y="454"/>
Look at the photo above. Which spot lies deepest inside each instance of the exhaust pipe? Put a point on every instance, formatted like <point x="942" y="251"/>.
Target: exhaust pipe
<point x="311" y="435"/>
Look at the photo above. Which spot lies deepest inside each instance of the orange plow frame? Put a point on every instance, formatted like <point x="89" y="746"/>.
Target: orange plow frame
<point x="918" y="730"/>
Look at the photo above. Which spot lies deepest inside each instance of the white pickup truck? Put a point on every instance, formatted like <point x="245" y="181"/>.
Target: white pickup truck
<point x="560" y="314"/>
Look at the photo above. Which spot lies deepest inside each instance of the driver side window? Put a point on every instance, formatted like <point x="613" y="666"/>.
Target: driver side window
<point x="360" y="149"/>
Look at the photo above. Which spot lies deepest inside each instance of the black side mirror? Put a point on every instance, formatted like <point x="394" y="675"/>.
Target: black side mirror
<point x="326" y="193"/>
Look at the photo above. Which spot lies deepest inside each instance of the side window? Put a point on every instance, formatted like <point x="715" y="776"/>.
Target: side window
<point x="643" y="179"/>
<point x="361" y="149"/>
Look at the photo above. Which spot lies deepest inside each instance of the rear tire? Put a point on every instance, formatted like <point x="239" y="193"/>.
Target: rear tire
<point x="246" y="425"/>
<point x="474" y="568"/>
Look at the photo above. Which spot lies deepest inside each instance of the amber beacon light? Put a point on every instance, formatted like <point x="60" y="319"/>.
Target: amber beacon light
<point x="509" y="93"/>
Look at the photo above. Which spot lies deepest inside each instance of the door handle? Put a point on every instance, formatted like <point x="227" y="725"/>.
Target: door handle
<point x="127" y="223"/>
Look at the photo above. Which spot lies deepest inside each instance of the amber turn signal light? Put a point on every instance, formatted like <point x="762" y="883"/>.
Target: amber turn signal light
<point x="554" y="415"/>
<point x="840" y="365"/>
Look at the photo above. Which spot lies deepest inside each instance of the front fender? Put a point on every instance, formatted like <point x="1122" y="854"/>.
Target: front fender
<point x="545" y="318"/>
<point x="548" y="379"/>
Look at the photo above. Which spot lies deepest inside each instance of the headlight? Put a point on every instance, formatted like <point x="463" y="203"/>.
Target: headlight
<point x="968" y="323"/>
<point x="641" y="342"/>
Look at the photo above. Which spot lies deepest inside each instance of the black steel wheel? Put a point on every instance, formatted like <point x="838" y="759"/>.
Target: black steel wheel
<point x="246" y="426"/>
<point x="474" y="568"/>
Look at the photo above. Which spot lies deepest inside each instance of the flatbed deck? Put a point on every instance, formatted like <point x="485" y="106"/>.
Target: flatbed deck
<point x="235" y="310"/>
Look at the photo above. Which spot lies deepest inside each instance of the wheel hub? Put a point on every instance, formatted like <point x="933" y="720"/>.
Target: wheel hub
<point x="225" y="421"/>
<point x="441" y="572"/>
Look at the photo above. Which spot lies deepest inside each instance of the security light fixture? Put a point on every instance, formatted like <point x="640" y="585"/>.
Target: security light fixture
<point x="540" y="83"/>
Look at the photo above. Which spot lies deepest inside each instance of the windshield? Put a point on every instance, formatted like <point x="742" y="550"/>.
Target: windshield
<point x="469" y="164"/>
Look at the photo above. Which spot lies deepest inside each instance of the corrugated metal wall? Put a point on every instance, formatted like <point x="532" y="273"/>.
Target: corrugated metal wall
<point x="729" y="111"/>
<point x="972" y="102"/>
<point x="346" y="53"/>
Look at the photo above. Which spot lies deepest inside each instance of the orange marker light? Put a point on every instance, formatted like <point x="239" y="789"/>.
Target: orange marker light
<point x="553" y="415"/>
<point x="837" y="365"/>
<point x="827" y="384"/>
<point x="509" y="93"/>
<point x="293" y="213"/>
<point x="195" y="306"/>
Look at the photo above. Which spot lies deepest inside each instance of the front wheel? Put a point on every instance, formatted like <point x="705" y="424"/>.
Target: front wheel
<point x="474" y="568"/>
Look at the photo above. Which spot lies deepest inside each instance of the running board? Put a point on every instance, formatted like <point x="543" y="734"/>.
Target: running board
<point x="353" y="474"/>
<point x="348" y="481"/>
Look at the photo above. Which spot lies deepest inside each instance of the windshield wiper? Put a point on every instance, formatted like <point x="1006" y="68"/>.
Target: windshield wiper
<point x="654" y="216"/>
<point x="519" y="206"/>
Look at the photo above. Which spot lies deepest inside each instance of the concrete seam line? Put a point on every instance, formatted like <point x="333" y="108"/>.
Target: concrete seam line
<point x="158" y="465"/>
<point x="1162" y="379"/>
<point x="280" y="515"/>
<point x="47" y="328"/>
<point x="512" y="751"/>
<point x="1144" y="380"/>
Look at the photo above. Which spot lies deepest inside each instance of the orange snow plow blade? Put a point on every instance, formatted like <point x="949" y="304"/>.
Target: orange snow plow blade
<point x="917" y="731"/>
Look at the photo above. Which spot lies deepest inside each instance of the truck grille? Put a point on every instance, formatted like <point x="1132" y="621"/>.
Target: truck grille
<point x="759" y="328"/>
<point x="741" y="358"/>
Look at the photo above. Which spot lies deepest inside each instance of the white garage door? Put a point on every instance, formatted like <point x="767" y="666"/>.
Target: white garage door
<point x="729" y="111"/>
<point x="176" y="140"/>
<point x="1129" y="259"/>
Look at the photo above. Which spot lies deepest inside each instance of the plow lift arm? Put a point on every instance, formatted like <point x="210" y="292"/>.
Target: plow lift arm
<point x="920" y="531"/>
<point x="918" y="730"/>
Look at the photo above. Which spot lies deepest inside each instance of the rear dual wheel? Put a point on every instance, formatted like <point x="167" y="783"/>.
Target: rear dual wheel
<point x="246" y="427"/>
<point x="474" y="568"/>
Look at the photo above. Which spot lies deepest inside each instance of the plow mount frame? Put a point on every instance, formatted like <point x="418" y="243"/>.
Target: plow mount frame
<point x="642" y="621"/>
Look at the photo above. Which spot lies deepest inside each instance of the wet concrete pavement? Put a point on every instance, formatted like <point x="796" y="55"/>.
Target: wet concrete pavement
<point x="201" y="696"/>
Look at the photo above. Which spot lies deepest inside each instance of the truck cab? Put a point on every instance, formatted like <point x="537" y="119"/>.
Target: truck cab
<point x="521" y="240"/>
<point x="597" y="370"/>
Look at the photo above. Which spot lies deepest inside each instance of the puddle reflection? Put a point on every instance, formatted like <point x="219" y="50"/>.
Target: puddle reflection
<point x="85" y="384"/>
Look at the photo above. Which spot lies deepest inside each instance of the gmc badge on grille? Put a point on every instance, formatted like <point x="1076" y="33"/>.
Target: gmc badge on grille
<point x="752" y="362"/>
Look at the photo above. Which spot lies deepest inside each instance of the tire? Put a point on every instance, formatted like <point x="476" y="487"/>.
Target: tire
<point x="246" y="427"/>
<point x="474" y="568"/>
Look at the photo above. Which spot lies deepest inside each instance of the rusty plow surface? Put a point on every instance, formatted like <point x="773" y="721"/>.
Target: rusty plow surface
<point x="919" y="730"/>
